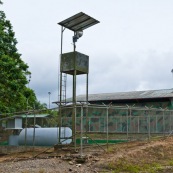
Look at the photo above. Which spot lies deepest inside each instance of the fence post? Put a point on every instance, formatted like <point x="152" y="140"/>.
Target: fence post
<point x="81" y="133"/>
<point x="89" y="119"/>
<point x="107" y="137"/>
<point x="163" y="122"/>
<point x="121" y="120"/>
<point x="127" y="124"/>
<point x="130" y="127"/>
<point x="170" y="121"/>
<point x="156" y="124"/>
<point x="34" y="131"/>
<point x="26" y="129"/>
<point x="75" y="126"/>
<point x="138" y="123"/>
<point x="149" y="125"/>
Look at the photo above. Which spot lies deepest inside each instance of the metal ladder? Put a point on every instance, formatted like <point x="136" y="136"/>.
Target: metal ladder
<point x="63" y="92"/>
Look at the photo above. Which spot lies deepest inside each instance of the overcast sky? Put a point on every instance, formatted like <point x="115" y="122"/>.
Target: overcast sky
<point x="131" y="49"/>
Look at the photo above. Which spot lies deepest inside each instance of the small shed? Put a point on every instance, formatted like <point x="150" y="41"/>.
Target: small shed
<point x="40" y="120"/>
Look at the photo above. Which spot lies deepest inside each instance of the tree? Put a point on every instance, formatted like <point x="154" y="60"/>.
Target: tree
<point x="14" y="95"/>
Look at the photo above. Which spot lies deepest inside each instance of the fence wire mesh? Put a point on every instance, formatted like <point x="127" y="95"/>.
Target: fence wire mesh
<point x="100" y="124"/>
<point x="120" y="122"/>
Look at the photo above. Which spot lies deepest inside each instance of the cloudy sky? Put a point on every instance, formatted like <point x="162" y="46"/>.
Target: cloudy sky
<point x="131" y="49"/>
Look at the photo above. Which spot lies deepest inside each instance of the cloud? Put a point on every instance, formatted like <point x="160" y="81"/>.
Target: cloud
<point x="130" y="49"/>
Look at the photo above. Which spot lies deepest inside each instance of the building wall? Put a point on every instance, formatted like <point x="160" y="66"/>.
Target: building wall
<point x="120" y="119"/>
<point x="154" y="103"/>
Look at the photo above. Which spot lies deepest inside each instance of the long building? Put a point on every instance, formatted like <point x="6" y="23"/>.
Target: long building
<point x="128" y="111"/>
<point x="150" y="98"/>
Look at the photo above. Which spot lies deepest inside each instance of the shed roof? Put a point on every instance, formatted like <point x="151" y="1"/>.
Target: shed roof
<point x="37" y="116"/>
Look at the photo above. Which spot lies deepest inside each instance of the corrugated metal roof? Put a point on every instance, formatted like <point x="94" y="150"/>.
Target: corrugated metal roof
<point x="132" y="95"/>
<point x="78" y="22"/>
<point x="165" y="93"/>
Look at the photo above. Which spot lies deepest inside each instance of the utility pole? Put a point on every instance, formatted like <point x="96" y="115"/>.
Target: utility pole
<point x="172" y="72"/>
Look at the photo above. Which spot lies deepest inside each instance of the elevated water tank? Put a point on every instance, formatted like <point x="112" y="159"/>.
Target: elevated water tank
<point x="72" y="61"/>
<point x="44" y="136"/>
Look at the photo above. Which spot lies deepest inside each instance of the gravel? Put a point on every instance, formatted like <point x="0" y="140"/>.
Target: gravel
<point x="52" y="165"/>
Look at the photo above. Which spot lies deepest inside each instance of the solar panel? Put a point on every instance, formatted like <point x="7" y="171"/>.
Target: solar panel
<point x="78" y="22"/>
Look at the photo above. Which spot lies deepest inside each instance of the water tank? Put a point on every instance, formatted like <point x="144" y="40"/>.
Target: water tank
<point x="44" y="136"/>
<point x="72" y="61"/>
<point x="13" y="140"/>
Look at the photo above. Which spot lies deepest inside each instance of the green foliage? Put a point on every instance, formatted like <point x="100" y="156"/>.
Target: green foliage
<point x="54" y="120"/>
<point x="125" y="166"/>
<point x="171" y="162"/>
<point x="38" y="105"/>
<point x="14" y="95"/>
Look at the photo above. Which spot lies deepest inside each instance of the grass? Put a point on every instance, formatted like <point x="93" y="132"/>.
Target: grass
<point x="156" y="159"/>
<point x="170" y="163"/>
<point x="124" y="166"/>
<point x="25" y="171"/>
<point x="41" y="171"/>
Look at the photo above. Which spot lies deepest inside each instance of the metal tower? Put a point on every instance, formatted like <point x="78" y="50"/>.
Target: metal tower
<point x="74" y="63"/>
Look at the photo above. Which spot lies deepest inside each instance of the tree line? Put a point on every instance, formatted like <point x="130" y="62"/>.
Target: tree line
<point x="15" y="96"/>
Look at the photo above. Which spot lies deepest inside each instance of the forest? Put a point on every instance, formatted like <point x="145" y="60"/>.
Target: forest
<point x="15" y="95"/>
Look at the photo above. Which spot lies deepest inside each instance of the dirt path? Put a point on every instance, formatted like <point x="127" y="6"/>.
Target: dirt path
<point x="154" y="156"/>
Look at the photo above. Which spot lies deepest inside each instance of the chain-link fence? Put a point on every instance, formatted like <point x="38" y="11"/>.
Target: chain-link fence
<point x="118" y="122"/>
<point x="93" y="124"/>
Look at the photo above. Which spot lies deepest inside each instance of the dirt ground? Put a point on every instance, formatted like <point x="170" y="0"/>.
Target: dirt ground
<point x="133" y="157"/>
